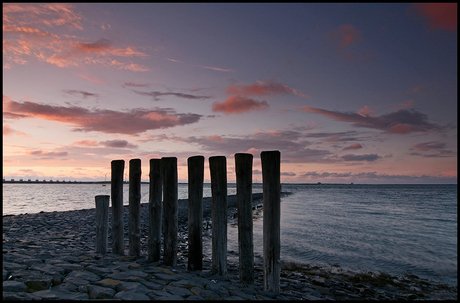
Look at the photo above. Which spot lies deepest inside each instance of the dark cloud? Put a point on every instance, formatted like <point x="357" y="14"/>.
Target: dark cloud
<point x="80" y="93"/>
<point x="353" y="146"/>
<point x="117" y="143"/>
<point x="433" y="145"/>
<point x="130" y="122"/>
<point x="368" y="157"/>
<point x="156" y="94"/>
<point x="400" y="122"/>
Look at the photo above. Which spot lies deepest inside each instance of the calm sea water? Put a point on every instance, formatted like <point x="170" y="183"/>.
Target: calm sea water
<point x="399" y="229"/>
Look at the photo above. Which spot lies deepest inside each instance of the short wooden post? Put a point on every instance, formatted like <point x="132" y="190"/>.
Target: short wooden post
<point x="272" y="217"/>
<point x="116" y="190"/>
<point x="195" y="212"/>
<point x="243" y="168"/>
<point x="155" y="209"/>
<point x="218" y="169"/>
<point x="170" y="210"/>
<point x="102" y="222"/>
<point x="134" y="223"/>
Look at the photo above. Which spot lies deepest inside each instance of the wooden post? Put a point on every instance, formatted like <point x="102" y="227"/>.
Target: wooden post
<point x="170" y="210"/>
<point x="218" y="169"/>
<point x="155" y="208"/>
<point x="102" y="221"/>
<point x="272" y="217"/>
<point x="116" y="190"/>
<point x="195" y="212"/>
<point x="134" y="223"/>
<point x="243" y="168"/>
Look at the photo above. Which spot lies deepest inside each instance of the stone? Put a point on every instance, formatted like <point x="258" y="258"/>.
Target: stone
<point x="131" y="296"/>
<point x="183" y="292"/>
<point x="132" y="286"/>
<point x="110" y="283"/>
<point x="99" y="292"/>
<point x="84" y="275"/>
<point x="207" y="294"/>
<point x="14" y="286"/>
<point x="60" y="295"/>
<point x="11" y="266"/>
<point x="38" y="282"/>
<point x="130" y="276"/>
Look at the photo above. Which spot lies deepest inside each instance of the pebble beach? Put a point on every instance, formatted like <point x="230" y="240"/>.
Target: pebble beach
<point x="51" y="256"/>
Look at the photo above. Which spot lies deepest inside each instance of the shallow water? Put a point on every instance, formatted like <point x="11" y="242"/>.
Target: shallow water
<point x="393" y="228"/>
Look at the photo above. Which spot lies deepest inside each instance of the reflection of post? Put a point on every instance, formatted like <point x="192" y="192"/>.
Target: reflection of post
<point x="116" y="190"/>
<point x="195" y="212"/>
<point x="271" y="222"/>
<point x="170" y="210"/>
<point x="218" y="169"/>
<point x="155" y="191"/>
<point x="135" y="207"/>
<point x="102" y="221"/>
<point x="243" y="168"/>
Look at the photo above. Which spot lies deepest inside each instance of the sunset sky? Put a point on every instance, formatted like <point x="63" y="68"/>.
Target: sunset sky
<point x="363" y="93"/>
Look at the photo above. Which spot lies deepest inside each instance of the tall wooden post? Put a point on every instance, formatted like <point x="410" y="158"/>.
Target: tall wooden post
<point x="195" y="212"/>
<point x="116" y="190"/>
<point x="170" y="210"/>
<point x="218" y="169"/>
<point x="272" y="217"/>
<point x="243" y="168"/>
<point x="134" y="223"/>
<point x="102" y="221"/>
<point x="155" y="209"/>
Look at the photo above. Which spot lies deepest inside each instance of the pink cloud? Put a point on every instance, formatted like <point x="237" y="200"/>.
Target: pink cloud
<point x="95" y="80"/>
<point x="344" y="36"/>
<point x="107" y="121"/>
<point x="353" y="146"/>
<point x="86" y="143"/>
<point x="365" y="111"/>
<point x="400" y="122"/>
<point x="8" y="131"/>
<point x="239" y="104"/>
<point x="438" y="15"/>
<point x="427" y="146"/>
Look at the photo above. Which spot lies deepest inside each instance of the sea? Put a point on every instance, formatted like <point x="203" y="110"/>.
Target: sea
<point x="396" y="229"/>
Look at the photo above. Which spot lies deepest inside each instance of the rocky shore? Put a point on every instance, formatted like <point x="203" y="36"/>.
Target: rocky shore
<point x="50" y="256"/>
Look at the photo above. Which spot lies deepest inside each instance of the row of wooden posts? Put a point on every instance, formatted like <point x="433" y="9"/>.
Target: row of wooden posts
<point x="163" y="186"/>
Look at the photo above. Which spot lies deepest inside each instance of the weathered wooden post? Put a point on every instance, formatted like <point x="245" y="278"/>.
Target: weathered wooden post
<point x="272" y="217"/>
<point x="195" y="212"/>
<point x="102" y="221"/>
<point x="116" y="191"/>
<point x="218" y="169"/>
<point x="155" y="196"/>
<point x="243" y="168"/>
<point x="170" y="210"/>
<point x="134" y="223"/>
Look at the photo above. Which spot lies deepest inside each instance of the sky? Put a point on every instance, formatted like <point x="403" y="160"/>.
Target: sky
<point x="363" y="93"/>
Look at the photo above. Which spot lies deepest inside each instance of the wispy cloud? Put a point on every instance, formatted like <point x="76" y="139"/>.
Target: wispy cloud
<point x="368" y="157"/>
<point x="438" y="15"/>
<point x="8" y="131"/>
<point x="426" y="150"/>
<point x="259" y="88"/>
<point x="348" y="42"/>
<point x="80" y="93"/>
<point x="353" y="146"/>
<point x="31" y="31"/>
<point x="47" y="153"/>
<point x="156" y="94"/>
<point x="95" y="80"/>
<point x="130" y="122"/>
<point x="238" y="102"/>
<point x="402" y="121"/>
